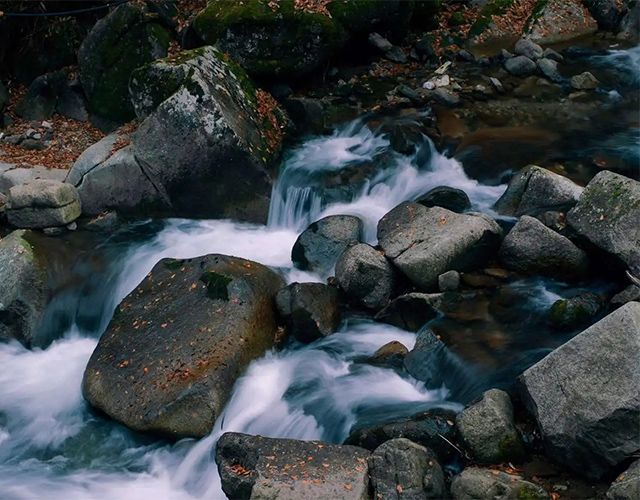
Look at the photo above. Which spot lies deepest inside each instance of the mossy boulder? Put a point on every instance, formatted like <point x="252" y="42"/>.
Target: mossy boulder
<point x="23" y="287"/>
<point x="270" y="39"/>
<point x="205" y="146"/>
<point x="119" y="43"/>
<point x="607" y="216"/>
<point x="208" y="135"/>
<point x="177" y="343"/>
<point x="361" y="17"/>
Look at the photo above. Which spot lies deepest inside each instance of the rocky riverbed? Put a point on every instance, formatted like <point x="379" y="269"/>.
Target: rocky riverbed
<point x="323" y="249"/>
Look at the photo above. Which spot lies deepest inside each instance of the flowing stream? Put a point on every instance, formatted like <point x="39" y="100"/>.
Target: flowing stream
<point x="53" y="446"/>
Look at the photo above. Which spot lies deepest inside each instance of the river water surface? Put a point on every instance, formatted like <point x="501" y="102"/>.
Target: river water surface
<point x="52" y="446"/>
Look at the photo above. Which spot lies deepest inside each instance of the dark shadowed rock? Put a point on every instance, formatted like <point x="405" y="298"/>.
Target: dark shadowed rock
<point x="520" y="66"/>
<point x="585" y="395"/>
<point x="632" y="292"/>
<point x="260" y="467"/>
<point x="433" y="429"/>
<point x="527" y="48"/>
<point x="270" y="40"/>
<point x="425" y="242"/>
<point x="401" y="469"/>
<point x="432" y="362"/>
<point x="319" y="246"/>
<point x="607" y="215"/>
<point x="310" y="310"/>
<point x="627" y="485"/>
<point x="23" y="288"/>
<point x="531" y="247"/>
<point x="447" y="197"/>
<point x="410" y="311"/>
<point x="158" y="369"/>
<point x="449" y="281"/>
<point x="549" y="68"/>
<point x="118" y="43"/>
<point x="475" y="483"/>
<point x="365" y="275"/>
<point x="535" y="190"/>
<point x="608" y="13"/>
<point x="576" y="312"/>
<point x="488" y="430"/>
<point x="41" y="98"/>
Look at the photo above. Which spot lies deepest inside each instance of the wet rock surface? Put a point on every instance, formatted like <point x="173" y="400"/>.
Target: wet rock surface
<point x="24" y="289"/>
<point x="260" y="467"/>
<point x="427" y="428"/>
<point x="158" y="370"/>
<point x="400" y="468"/>
<point x="319" y="246"/>
<point x="310" y="310"/>
<point x="365" y="275"/>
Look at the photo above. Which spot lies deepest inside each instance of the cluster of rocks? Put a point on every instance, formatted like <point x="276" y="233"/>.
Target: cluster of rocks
<point x="38" y="136"/>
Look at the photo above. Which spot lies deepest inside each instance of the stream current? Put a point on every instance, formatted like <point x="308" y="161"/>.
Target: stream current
<point x="53" y="446"/>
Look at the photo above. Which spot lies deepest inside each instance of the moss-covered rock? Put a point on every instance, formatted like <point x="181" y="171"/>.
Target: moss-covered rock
<point x="119" y="43"/>
<point x="206" y="129"/>
<point x="270" y="39"/>
<point x="390" y="18"/>
<point x="23" y="287"/>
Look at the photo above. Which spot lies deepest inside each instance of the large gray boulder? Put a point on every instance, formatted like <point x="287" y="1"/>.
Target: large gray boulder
<point x="401" y="469"/>
<point x="319" y="246"/>
<point x="43" y="203"/>
<point x="475" y="483"/>
<point x="118" y="43"/>
<point x="531" y="247"/>
<point x="203" y="149"/>
<point x="259" y="468"/>
<point x="160" y="370"/>
<point x="365" y="275"/>
<point x="23" y="287"/>
<point x="425" y="242"/>
<point x="627" y="485"/>
<point x="488" y="430"/>
<point x="607" y="215"/>
<point x="310" y="310"/>
<point x="535" y="190"/>
<point x="585" y="395"/>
